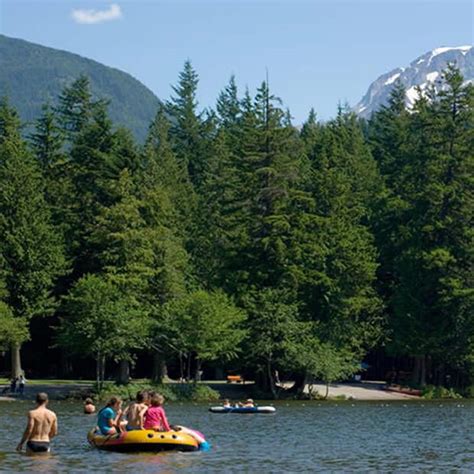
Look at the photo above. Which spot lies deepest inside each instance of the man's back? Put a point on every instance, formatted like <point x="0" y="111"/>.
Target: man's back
<point x="135" y="414"/>
<point x="44" y="424"/>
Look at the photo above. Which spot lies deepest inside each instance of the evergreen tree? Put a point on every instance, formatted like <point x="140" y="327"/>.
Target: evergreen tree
<point x="187" y="124"/>
<point x="76" y="106"/>
<point x="338" y="289"/>
<point x="433" y="298"/>
<point x="30" y="247"/>
<point x="163" y="170"/>
<point x="228" y="106"/>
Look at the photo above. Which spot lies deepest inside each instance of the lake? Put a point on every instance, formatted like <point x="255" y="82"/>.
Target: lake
<point x="300" y="437"/>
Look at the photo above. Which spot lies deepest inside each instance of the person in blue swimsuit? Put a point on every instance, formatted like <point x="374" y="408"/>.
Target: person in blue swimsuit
<point x="108" y="419"/>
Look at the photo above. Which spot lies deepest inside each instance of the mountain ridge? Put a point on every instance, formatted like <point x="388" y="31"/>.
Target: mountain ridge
<point x="132" y="104"/>
<point x="423" y="70"/>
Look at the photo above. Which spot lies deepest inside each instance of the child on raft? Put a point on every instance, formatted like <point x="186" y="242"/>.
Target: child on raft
<point x="135" y="412"/>
<point x="108" y="419"/>
<point x="155" y="416"/>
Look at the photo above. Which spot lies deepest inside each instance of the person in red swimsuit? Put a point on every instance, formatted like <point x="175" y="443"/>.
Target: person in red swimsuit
<point x="155" y="416"/>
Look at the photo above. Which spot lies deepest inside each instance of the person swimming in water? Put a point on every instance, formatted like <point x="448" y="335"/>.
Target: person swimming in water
<point x="42" y="427"/>
<point x="89" y="407"/>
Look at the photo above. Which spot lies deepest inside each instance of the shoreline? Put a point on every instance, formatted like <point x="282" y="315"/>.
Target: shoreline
<point x="363" y="391"/>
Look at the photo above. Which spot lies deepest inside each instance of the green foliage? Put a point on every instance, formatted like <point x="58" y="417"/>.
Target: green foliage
<point x="172" y="392"/>
<point x="13" y="331"/>
<point x="31" y="251"/>
<point x="206" y="324"/>
<point x="102" y="322"/>
<point x="432" y="392"/>
<point x="231" y="237"/>
<point x="426" y="233"/>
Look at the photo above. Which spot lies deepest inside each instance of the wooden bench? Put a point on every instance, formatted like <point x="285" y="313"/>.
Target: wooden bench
<point x="235" y="378"/>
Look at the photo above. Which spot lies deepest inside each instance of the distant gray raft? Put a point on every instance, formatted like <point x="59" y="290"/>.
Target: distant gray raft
<point x="241" y="410"/>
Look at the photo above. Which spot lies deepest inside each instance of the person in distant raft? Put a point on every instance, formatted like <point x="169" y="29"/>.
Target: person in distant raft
<point x="41" y="428"/>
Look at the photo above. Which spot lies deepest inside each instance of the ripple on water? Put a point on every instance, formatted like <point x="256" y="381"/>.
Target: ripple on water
<point x="355" y="436"/>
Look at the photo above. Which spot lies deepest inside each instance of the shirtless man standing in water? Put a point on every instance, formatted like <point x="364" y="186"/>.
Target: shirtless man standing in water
<point x="42" y="427"/>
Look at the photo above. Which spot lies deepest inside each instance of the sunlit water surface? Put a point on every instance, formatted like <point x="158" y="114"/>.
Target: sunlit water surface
<point x="300" y="437"/>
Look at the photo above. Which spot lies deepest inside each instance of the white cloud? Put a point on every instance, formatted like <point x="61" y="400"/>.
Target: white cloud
<point x="90" y="17"/>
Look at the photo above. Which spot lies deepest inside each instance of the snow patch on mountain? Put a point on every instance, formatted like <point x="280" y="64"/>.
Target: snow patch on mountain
<point x="463" y="49"/>
<point x="392" y="79"/>
<point x="423" y="71"/>
<point x="431" y="76"/>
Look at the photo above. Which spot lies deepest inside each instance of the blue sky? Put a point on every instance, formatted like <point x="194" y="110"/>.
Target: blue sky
<point x="318" y="52"/>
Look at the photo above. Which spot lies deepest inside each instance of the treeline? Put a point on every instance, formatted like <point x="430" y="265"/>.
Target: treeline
<point x="232" y="235"/>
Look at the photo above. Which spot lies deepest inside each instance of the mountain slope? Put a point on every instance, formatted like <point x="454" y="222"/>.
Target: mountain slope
<point x="422" y="71"/>
<point x="31" y="74"/>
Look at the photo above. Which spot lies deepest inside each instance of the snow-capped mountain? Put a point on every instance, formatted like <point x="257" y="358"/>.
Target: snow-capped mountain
<point x="422" y="71"/>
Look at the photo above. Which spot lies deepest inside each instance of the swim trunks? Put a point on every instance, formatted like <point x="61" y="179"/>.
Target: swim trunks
<point x="38" y="446"/>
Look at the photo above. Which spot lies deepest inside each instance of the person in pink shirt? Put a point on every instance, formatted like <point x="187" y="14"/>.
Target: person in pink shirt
<point x="155" y="416"/>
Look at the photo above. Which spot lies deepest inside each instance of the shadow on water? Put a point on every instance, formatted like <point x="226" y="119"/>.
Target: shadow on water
<point x="300" y="437"/>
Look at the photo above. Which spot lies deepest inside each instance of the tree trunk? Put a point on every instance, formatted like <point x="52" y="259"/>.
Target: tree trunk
<point x="188" y="369"/>
<point x="181" y="367"/>
<point x="440" y="378"/>
<point x="419" y="370"/>
<point x="65" y="368"/>
<point x="327" y="391"/>
<point x="160" y="370"/>
<point x="123" y="377"/>
<point x="271" y="380"/>
<point x="197" y="373"/>
<point x="219" y="373"/>
<point x="416" y="371"/>
<point x="299" y="385"/>
<point x="423" y="370"/>
<point x="102" y="371"/>
<point x="16" y="361"/>
<point x="97" y="371"/>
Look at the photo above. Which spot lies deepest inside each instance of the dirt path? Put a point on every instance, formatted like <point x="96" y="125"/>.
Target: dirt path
<point x="361" y="391"/>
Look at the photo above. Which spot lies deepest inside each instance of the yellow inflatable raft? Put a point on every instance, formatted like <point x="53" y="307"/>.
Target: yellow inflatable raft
<point x="143" y="440"/>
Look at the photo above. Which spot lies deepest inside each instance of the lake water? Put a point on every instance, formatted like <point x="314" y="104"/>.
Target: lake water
<point x="300" y="437"/>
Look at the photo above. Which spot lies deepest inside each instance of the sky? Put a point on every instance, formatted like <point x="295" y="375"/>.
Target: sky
<point x="318" y="53"/>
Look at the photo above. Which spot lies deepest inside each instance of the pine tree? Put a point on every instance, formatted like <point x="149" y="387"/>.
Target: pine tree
<point x="228" y="106"/>
<point x="432" y="300"/>
<point x="76" y="106"/>
<point x="29" y="244"/>
<point x="94" y="166"/>
<point x="340" y="268"/>
<point x="187" y="124"/>
<point x="162" y="169"/>
<point x="47" y="142"/>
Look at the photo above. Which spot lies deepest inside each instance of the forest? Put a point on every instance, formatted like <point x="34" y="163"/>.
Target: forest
<point x="234" y="241"/>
